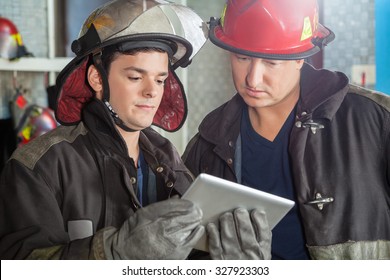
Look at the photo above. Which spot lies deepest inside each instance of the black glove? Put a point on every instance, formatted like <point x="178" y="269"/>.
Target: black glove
<point x="167" y="229"/>
<point x="240" y="236"/>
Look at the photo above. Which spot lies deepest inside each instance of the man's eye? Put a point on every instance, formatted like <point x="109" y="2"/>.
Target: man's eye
<point x="272" y="63"/>
<point x="243" y="58"/>
<point x="160" y="82"/>
<point x="134" y="78"/>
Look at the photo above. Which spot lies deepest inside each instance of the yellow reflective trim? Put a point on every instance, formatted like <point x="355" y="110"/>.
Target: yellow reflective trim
<point x="17" y="38"/>
<point x="223" y="15"/>
<point x="307" y="31"/>
<point x="26" y="132"/>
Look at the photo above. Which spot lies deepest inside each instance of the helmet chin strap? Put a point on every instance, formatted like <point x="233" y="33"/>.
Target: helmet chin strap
<point x="97" y="61"/>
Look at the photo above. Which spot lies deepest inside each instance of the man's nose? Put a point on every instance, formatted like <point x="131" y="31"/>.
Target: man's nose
<point x="150" y="88"/>
<point x="255" y="74"/>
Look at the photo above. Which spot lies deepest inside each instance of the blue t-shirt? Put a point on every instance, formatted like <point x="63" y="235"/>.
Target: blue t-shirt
<point x="143" y="194"/>
<point x="266" y="167"/>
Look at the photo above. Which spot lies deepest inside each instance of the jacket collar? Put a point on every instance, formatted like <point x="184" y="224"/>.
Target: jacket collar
<point x="99" y="122"/>
<point x="322" y="92"/>
<point x="159" y="152"/>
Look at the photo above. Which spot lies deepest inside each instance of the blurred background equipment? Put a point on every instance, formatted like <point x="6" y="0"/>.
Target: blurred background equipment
<point x="35" y="121"/>
<point x="11" y="43"/>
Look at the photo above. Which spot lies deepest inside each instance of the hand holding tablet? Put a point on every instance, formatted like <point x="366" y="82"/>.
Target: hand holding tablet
<point x="216" y="196"/>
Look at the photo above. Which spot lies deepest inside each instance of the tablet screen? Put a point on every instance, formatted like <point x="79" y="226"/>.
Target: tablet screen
<point x="216" y="196"/>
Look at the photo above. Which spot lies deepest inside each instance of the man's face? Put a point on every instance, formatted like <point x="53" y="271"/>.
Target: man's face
<point x="137" y="86"/>
<point x="266" y="83"/>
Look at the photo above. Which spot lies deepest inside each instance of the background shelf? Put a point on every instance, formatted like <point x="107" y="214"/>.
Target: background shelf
<point x="34" y="64"/>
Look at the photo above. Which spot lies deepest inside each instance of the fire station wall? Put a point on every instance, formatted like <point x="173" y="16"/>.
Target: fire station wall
<point x="353" y="22"/>
<point x="209" y="76"/>
<point x="30" y="19"/>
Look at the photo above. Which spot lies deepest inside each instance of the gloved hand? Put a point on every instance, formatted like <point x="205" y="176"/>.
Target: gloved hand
<point x="167" y="229"/>
<point x="240" y="236"/>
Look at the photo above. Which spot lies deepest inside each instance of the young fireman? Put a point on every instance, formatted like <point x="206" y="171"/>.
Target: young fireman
<point x="101" y="185"/>
<point x="98" y="186"/>
<point x="298" y="132"/>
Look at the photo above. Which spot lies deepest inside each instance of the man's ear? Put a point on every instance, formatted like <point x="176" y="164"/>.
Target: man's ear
<point x="300" y="63"/>
<point x="95" y="81"/>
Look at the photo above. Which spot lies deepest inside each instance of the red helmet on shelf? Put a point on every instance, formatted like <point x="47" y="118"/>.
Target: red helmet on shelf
<point x="11" y="44"/>
<point x="277" y="29"/>
<point x="35" y="122"/>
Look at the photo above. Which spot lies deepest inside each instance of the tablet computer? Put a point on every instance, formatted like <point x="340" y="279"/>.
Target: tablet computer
<point x="216" y="196"/>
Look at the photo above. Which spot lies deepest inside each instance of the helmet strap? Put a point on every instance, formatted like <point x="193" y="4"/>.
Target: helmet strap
<point x="97" y="61"/>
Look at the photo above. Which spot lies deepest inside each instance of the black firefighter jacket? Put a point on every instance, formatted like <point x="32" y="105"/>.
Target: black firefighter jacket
<point x="340" y="157"/>
<point x="59" y="190"/>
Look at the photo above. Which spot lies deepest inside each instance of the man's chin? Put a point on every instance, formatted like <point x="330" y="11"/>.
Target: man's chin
<point x="141" y="125"/>
<point x="137" y="127"/>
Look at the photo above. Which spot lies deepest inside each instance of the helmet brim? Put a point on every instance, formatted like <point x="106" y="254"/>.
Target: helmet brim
<point x="218" y="37"/>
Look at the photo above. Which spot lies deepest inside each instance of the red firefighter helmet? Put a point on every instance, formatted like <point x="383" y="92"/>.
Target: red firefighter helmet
<point x="35" y="122"/>
<point x="11" y="44"/>
<point x="271" y="29"/>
